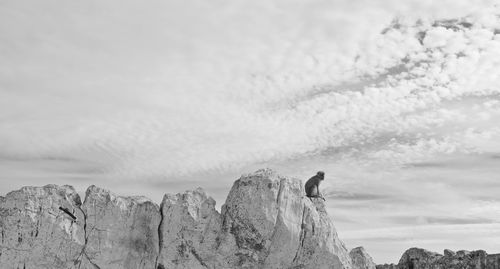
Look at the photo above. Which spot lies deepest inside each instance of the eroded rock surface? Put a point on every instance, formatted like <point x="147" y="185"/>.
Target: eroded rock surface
<point x="36" y="233"/>
<point x="270" y="224"/>
<point x="266" y="222"/>
<point x="361" y="259"/>
<point x="121" y="232"/>
<point x="188" y="231"/>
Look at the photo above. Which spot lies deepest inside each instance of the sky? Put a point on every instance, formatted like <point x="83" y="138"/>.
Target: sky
<point x="397" y="101"/>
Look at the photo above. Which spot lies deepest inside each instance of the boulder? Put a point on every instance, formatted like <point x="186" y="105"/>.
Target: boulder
<point x="361" y="259"/>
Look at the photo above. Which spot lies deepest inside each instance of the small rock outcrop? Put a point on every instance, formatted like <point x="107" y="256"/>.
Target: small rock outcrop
<point x="266" y="222"/>
<point x="417" y="258"/>
<point x="361" y="259"/>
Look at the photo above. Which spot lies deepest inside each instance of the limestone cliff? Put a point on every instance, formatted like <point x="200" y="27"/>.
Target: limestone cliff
<point x="266" y="222"/>
<point x="417" y="258"/>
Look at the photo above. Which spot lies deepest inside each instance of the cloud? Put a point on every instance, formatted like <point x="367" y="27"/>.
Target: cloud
<point x="180" y="115"/>
<point x="439" y="220"/>
<point x="339" y="195"/>
<point x="149" y="94"/>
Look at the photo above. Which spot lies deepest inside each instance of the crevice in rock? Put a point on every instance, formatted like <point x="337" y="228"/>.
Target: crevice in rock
<point x="197" y="256"/>
<point x="160" y="237"/>
<point x="86" y="235"/>
<point x="280" y="190"/>
<point x="302" y="235"/>
<point x="91" y="262"/>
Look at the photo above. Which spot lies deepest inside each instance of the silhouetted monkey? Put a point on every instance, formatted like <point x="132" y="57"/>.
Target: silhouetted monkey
<point x="312" y="185"/>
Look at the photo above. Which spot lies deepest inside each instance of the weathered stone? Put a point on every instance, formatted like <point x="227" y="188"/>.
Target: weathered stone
<point x="121" y="232"/>
<point x="36" y="233"/>
<point x="268" y="223"/>
<point x="188" y="231"/>
<point x="361" y="259"/>
<point x="415" y="258"/>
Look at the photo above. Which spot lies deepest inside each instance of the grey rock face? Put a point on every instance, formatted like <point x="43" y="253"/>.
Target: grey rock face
<point x="361" y="259"/>
<point x="266" y="222"/>
<point x="121" y="232"/>
<point x="35" y="233"/>
<point x="188" y="231"/>
<point x="48" y="227"/>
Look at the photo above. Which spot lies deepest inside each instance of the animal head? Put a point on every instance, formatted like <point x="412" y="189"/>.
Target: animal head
<point x="321" y="174"/>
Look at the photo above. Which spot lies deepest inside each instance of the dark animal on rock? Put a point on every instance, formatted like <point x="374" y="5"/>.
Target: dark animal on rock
<point x="312" y="185"/>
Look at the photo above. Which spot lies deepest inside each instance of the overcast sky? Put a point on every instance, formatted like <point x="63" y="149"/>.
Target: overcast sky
<point x="149" y="97"/>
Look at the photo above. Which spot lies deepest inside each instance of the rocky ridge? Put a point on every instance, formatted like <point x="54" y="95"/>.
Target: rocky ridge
<point x="266" y="222"/>
<point x="417" y="258"/>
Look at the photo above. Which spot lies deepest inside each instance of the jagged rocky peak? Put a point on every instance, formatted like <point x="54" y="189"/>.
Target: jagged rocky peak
<point x="271" y="224"/>
<point x="361" y="259"/>
<point x="266" y="222"/>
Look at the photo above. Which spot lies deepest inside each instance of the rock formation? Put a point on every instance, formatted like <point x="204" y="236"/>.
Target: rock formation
<point x="120" y="232"/>
<point x="417" y="258"/>
<point x="35" y="233"/>
<point x="270" y="223"/>
<point x="188" y="231"/>
<point x="266" y="222"/>
<point x="361" y="259"/>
